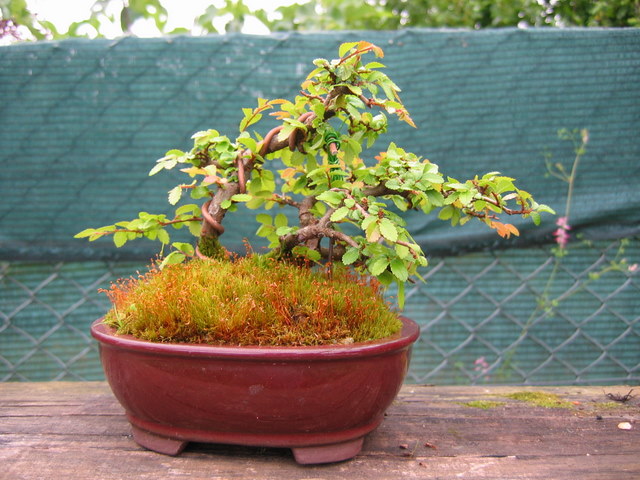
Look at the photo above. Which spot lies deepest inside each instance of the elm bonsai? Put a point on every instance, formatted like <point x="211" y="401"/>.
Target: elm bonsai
<point x="349" y="210"/>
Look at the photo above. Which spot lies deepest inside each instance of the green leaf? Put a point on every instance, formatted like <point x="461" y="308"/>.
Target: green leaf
<point x="446" y="213"/>
<point x="173" y="258"/>
<point x="366" y="223"/>
<point x="241" y="197"/>
<point x="282" y="231"/>
<point x="402" y="251"/>
<point x="332" y="198"/>
<point x="373" y="233"/>
<point x="339" y="214"/>
<point x="345" y="47"/>
<point x="174" y="195"/>
<point x="85" y="233"/>
<point x="399" y="269"/>
<point x="156" y="168"/>
<point x="400" y="202"/>
<point x="163" y="236"/>
<point x="535" y="216"/>
<point x="186" y="248"/>
<point x="281" y="220"/>
<point x="388" y="230"/>
<point x="195" y="228"/>
<point x="191" y="209"/>
<point x="119" y="238"/>
<point x="378" y="265"/>
<point x="264" y="218"/>
<point x="351" y="255"/>
<point x="247" y="141"/>
<point x="199" y="192"/>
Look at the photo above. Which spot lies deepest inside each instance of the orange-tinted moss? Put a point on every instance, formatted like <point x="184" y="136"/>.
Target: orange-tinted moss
<point x="250" y="301"/>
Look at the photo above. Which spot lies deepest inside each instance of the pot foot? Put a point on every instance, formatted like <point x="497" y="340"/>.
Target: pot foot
<point x="335" y="452"/>
<point x="157" y="443"/>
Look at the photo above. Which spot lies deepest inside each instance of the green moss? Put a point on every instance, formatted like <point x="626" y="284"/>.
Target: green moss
<point x="210" y="246"/>
<point x="483" y="404"/>
<point x="250" y="301"/>
<point x="540" y="399"/>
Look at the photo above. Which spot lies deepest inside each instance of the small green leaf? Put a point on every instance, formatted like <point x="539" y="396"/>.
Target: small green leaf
<point x="163" y="236"/>
<point x="173" y="258"/>
<point x="195" y="228"/>
<point x="402" y="251"/>
<point x="339" y="214"/>
<point x="85" y="233"/>
<point x="399" y="269"/>
<point x="186" y="248"/>
<point x="446" y="213"/>
<point x="378" y="265"/>
<point x="366" y="223"/>
<point x="332" y="198"/>
<point x="345" y="47"/>
<point x="282" y="231"/>
<point x="281" y="220"/>
<point x="264" y="218"/>
<point x="535" y="216"/>
<point x="241" y="197"/>
<point x="174" y="195"/>
<point x="388" y="230"/>
<point x="191" y="209"/>
<point x="351" y="255"/>
<point x="119" y="238"/>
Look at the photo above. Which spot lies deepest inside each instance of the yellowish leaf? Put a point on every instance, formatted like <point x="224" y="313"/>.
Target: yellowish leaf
<point x="193" y="171"/>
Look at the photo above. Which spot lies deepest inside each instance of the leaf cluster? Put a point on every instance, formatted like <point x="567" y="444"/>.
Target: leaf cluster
<point x="353" y="203"/>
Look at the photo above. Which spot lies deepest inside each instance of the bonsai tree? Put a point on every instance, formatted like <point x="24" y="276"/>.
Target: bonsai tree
<point x="348" y="208"/>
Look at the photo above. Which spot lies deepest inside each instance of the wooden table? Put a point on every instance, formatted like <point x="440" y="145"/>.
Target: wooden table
<point x="70" y="431"/>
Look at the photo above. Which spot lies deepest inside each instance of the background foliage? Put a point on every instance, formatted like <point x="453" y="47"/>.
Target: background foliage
<point x="19" y="22"/>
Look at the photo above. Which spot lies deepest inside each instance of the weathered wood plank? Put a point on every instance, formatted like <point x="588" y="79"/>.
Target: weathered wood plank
<point x="78" y="431"/>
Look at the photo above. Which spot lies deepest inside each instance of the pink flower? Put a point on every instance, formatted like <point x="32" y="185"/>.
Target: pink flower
<point x="633" y="268"/>
<point x="562" y="232"/>
<point x="482" y="367"/>
<point x="563" y="222"/>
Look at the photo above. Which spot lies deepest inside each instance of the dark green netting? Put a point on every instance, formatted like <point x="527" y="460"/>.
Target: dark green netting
<point x="82" y="122"/>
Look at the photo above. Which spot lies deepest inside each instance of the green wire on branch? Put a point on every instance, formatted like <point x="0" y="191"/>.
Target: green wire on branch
<point x="332" y="142"/>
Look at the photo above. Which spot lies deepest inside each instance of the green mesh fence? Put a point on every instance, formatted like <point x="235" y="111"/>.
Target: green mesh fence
<point x="81" y="123"/>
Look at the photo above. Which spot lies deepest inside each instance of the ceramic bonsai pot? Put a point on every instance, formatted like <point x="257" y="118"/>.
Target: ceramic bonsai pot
<point x="318" y="401"/>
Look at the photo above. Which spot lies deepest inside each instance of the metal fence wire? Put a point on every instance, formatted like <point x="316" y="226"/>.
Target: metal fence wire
<point x="573" y="321"/>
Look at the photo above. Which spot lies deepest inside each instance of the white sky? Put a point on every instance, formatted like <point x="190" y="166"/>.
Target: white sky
<point x="181" y="13"/>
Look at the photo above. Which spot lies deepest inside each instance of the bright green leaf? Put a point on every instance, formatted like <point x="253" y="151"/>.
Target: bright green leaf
<point x="119" y="238"/>
<point x="378" y="265"/>
<point x="241" y="197"/>
<point x="339" y="214"/>
<point x="399" y="269"/>
<point x="388" y="230"/>
<point x="163" y="236"/>
<point x="345" y="47"/>
<point x="351" y="255"/>
<point x="174" y="195"/>
<point x="281" y="220"/>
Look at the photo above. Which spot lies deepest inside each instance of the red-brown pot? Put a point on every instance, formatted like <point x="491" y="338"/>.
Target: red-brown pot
<point x="318" y="401"/>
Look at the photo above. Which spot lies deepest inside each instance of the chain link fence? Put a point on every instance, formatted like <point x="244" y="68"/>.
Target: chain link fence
<point x="570" y="321"/>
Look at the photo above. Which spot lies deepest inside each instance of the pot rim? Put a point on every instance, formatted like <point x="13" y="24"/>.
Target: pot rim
<point x="402" y="340"/>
